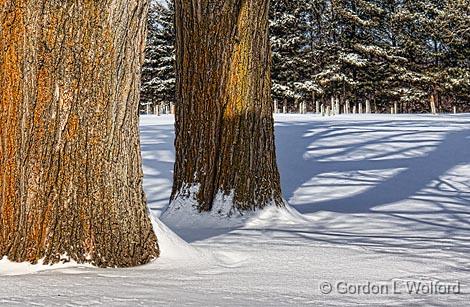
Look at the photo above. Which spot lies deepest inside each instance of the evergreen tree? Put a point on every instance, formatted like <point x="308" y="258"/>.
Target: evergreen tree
<point x="386" y="51"/>
<point x="452" y="72"/>
<point x="158" y="75"/>
<point x="287" y="39"/>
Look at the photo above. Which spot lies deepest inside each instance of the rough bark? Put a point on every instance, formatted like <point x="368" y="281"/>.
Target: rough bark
<point x="224" y="122"/>
<point x="70" y="165"/>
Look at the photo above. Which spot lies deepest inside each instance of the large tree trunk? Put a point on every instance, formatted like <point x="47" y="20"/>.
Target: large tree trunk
<point x="225" y="150"/>
<point x="70" y="165"/>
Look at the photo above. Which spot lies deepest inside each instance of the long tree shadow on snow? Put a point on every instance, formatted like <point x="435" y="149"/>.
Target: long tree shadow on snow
<point x="429" y="184"/>
<point x="311" y="153"/>
<point x="415" y="173"/>
<point x="423" y="204"/>
<point x="158" y="155"/>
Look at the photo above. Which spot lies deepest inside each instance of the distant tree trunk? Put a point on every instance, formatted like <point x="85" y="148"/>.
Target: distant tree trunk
<point x="70" y="165"/>
<point x="433" y="104"/>
<point x="224" y="122"/>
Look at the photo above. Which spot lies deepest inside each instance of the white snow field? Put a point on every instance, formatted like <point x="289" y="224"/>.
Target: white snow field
<point x="380" y="210"/>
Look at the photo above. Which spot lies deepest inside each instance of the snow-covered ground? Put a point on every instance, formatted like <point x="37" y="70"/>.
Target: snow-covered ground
<point x="384" y="205"/>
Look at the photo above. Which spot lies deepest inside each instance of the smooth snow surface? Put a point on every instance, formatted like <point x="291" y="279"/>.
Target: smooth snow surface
<point x="13" y="268"/>
<point x="374" y="199"/>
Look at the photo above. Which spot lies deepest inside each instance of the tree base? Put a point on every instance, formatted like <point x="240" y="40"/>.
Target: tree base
<point x="184" y="211"/>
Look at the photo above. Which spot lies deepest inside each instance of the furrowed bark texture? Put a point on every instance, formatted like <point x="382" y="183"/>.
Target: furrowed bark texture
<point x="70" y="165"/>
<point x="224" y="123"/>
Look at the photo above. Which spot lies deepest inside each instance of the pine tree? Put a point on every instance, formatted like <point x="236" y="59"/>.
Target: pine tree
<point x="158" y="75"/>
<point x="452" y="73"/>
<point x="296" y="39"/>
<point x="384" y="51"/>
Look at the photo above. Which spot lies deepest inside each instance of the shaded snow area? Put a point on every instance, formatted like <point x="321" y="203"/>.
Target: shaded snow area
<point x="379" y="207"/>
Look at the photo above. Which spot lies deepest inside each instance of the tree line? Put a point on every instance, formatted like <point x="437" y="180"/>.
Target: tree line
<point x="409" y="54"/>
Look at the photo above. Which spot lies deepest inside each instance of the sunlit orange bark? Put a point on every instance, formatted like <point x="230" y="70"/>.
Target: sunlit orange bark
<point x="224" y="123"/>
<point x="70" y="166"/>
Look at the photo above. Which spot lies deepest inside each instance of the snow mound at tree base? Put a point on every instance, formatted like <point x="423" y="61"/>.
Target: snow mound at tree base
<point x="172" y="247"/>
<point x="183" y="213"/>
<point x="274" y="215"/>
